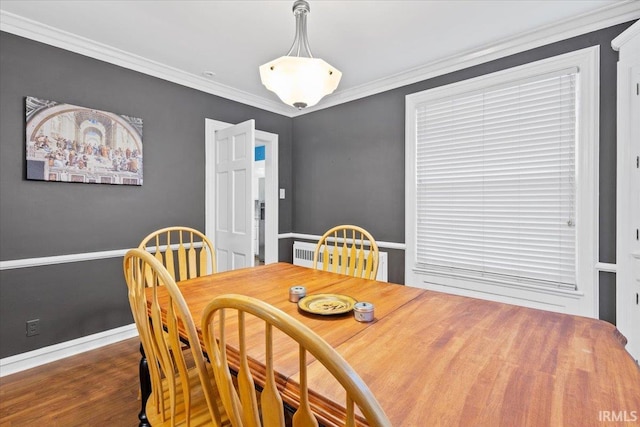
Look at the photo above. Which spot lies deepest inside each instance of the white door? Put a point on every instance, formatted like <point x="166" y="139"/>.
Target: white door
<point x="270" y="141"/>
<point x="233" y="237"/>
<point x="632" y="289"/>
<point x="628" y="189"/>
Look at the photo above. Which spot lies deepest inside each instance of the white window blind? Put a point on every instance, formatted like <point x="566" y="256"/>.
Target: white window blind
<point x="495" y="187"/>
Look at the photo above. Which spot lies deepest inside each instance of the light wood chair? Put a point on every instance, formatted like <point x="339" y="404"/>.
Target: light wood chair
<point x="183" y="391"/>
<point x="348" y="249"/>
<point x="241" y="402"/>
<point x="193" y="257"/>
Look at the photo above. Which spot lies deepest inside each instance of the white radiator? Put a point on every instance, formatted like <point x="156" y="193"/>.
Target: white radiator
<point x="303" y="255"/>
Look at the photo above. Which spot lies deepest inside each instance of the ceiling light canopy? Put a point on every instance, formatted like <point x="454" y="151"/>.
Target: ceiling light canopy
<point x="299" y="79"/>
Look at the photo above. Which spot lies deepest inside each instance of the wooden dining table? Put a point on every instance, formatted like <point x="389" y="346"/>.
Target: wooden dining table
<point x="435" y="359"/>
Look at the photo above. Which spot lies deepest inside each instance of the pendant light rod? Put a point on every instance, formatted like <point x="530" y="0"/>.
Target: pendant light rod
<point x="300" y="10"/>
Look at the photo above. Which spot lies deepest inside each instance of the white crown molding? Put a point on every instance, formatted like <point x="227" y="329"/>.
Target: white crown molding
<point x="616" y="13"/>
<point x="31" y="359"/>
<point x="43" y="33"/>
<point x="602" y="18"/>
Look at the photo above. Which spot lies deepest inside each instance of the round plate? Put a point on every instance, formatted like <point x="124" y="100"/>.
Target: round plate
<point x="327" y="304"/>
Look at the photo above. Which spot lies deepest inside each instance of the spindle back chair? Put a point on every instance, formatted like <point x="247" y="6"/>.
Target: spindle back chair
<point x="241" y="402"/>
<point x="183" y="390"/>
<point x="185" y="252"/>
<point x="347" y="249"/>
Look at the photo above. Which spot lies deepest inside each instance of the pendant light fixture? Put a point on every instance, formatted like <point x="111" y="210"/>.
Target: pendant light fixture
<point x="299" y="79"/>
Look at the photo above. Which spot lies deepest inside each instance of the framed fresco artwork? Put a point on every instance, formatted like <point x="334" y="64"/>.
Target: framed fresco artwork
<point x="67" y="143"/>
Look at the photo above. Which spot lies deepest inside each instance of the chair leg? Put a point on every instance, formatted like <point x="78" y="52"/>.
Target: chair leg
<point x="145" y="389"/>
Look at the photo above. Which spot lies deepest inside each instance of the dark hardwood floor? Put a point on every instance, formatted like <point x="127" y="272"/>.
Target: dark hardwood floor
<point x="95" y="388"/>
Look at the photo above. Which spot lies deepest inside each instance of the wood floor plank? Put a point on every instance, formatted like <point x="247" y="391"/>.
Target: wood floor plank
<point x="98" y="387"/>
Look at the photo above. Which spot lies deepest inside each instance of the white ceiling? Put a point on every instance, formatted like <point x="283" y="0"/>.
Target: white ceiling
<point x="376" y="44"/>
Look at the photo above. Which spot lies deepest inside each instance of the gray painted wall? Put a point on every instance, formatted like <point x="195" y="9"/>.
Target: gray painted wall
<point x="47" y="218"/>
<point x="349" y="159"/>
<point x="344" y="164"/>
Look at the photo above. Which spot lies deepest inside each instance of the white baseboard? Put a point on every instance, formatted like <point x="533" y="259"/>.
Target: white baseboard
<point x="20" y="362"/>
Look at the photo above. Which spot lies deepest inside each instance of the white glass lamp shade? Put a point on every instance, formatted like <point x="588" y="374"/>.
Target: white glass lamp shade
<point x="299" y="81"/>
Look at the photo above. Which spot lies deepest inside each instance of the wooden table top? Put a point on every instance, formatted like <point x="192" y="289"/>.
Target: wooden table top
<point x="437" y="359"/>
<point x="455" y="361"/>
<point x="271" y="284"/>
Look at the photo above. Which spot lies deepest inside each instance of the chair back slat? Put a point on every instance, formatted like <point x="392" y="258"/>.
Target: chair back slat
<point x="347" y="249"/>
<point x="214" y="329"/>
<point x="354" y="264"/>
<point x="168" y="257"/>
<point x="160" y="256"/>
<point x="304" y="416"/>
<point x="334" y="258"/>
<point x="218" y="360"/>
<point x="270" y="400"/>
<point x="203" y="262"/>
<point x="346" y="261"/>
<point x="351" y="416"/>
<point x="182" y="259"/>
<point x="246" y="386"/>
<point x="368" y="265"/>
<point x="192" y="256"/>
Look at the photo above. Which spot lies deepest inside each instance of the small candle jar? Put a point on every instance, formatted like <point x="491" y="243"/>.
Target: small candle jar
<point x="296" y="293"/>
<point x="363" y="311"/>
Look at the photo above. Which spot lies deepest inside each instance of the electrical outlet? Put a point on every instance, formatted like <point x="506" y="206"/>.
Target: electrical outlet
<point x="33" y="327"/>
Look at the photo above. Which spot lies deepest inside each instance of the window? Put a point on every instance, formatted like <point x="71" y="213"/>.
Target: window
<point x="501" y="183"/>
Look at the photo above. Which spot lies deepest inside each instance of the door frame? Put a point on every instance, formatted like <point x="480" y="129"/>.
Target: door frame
<point x="270" y="141"/>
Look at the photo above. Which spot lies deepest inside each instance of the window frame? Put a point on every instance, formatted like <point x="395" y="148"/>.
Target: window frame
<point x="582" y="301"/>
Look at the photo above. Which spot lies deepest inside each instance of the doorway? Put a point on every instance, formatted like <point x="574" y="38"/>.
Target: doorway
<point x="266" y="169"/>
<point x="258" y="191"/>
